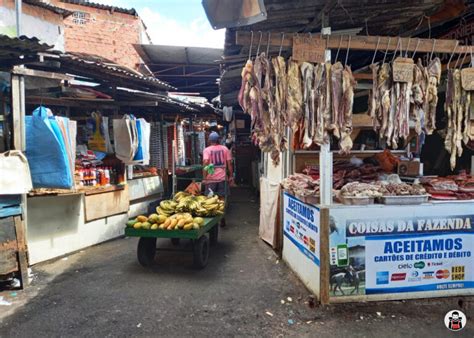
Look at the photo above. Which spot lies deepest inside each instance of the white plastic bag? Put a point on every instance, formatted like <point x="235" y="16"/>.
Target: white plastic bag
<point x="125" y="139"/>
<point x="15" y="177"/>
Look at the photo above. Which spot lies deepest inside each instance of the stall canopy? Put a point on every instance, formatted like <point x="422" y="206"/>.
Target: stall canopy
<point x="189" y="69"/>
<point x="115" y="84"/>
<point x="390" y="17"/>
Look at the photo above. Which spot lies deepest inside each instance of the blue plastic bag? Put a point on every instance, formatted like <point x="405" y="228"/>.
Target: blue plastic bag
<point x="46" y="152"/>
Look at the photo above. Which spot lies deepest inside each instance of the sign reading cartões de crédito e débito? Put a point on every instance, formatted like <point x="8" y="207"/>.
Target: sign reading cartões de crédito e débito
<point x="301" y="226"/>
<point x="432" y="250"/>
<point x="416" y="254"/>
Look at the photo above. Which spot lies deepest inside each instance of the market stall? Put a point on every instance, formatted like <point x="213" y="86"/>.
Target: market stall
<point x="361" y="219"/>
<point x="97" y="183"/>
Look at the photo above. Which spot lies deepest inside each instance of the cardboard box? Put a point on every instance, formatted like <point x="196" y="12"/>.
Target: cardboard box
<point x="410" y="168"/>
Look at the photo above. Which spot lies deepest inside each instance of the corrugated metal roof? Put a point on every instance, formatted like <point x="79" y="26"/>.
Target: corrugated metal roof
<point x="39" y="3"/>
<point x="179" y="54"/>
<point x="11" y="49"/>
<point x="131" y="11"/>
<point x="100" y="67"/>
<point x="190" y="69"/>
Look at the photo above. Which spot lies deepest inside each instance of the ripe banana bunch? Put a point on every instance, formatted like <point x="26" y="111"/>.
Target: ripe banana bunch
<point x="201" y="206"/>
<point x="167" y="208"/>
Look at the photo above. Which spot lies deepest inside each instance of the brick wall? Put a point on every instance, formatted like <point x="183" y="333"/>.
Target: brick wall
<point x="106" y="34"/>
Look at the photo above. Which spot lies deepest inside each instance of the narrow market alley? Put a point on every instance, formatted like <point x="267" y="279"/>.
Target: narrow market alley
<point x="245" y="291"/>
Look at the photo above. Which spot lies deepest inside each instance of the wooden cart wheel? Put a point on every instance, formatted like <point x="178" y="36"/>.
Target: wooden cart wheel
<point x="214" y="235"/>
<point x="175" y="241"/>
<point x="146" y="251"/>
<point x="201" y="252"/>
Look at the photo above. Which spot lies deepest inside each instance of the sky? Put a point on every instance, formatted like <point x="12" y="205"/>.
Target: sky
<point x="174" y="22"/>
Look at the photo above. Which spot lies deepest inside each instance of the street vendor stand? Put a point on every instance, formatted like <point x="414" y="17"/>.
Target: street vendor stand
<point x="374" y="252"/>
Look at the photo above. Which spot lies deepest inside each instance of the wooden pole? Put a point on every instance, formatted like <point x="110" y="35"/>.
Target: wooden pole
<point x="324" y="271"/>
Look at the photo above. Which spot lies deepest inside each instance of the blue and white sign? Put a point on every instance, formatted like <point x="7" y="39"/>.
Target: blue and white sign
<point x="425" y="262"/>
<point x="402" y="249"/>
<point x="301" y="226"/>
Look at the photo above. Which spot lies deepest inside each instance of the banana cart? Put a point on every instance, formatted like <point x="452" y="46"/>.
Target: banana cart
<point x="199" y="169"/>
<point x="201" y="240"/>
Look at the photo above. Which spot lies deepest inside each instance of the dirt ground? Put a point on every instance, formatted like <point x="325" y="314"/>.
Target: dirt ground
<point x="244" y="291"/>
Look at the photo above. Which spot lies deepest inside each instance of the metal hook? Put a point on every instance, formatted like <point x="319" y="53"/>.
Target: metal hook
<point x="432" y="49"/>
<point x="396" y="49"/>
<point x="464" y="58"/>
<point x="281" y="43"/>
<point x="251" y="45"/>
<point x="338" y="48"/>
<point x="416" y="48"/>
<point x="470" y="50"/>
<point x="348" y="49"/>
<point x="452" y="54"/>
<point x="259" y="43"/>
<point x="386" y="50"/>
<point x="268" y="43"/>
<point x="408" y="47"/>
<point x="376" y="49"/>
<point x="457" y="61"/>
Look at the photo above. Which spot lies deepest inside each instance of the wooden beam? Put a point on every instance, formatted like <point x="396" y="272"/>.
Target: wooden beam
<point x="18" y="143"/>
<point x="359" y="42"/>
<point x="39" y="73"/>
<point x="324" y="259"/>
<point x="22" y="251"/>
<point x="362" y="76"/>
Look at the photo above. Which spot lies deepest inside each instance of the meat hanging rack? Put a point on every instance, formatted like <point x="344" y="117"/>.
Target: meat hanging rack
<point x="367" y="42"/>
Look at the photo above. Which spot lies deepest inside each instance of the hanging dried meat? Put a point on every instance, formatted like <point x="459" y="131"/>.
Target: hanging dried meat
<point x="294" y="97"/>
<point x="434" y="72"/>
<point x="418" y="94"/>
<point x="307" y="72"/>
<point x="384" y="89"/>
<point x="332" y="123"/>
<point x="322" y="102"/>
<point x="459" y="107"/>
<point x="374" y="99"/>
<point x="250" y="96"/>
<point x="452" y="107"/>
<point x="281" y="88"/>
<point x="345" y="113"/>
<point x="264" y="76"/>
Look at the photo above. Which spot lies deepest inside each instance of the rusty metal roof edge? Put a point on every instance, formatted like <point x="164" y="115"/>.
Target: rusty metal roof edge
<point x="26" y="39"/>
<point x="58" y="10"/>
<point x="86" y="3"/>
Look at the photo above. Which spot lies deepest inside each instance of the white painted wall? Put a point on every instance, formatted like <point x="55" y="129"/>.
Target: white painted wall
<point x="56" y="227"/>
<point x="47" y="32"/>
